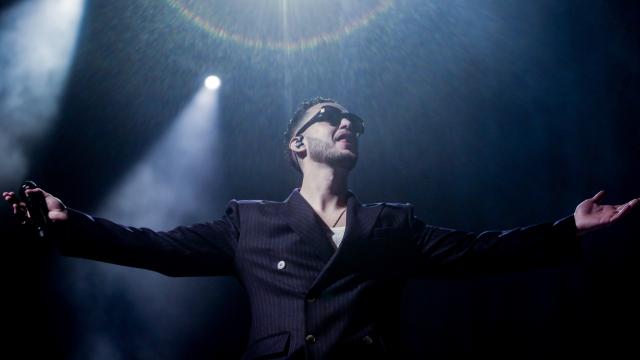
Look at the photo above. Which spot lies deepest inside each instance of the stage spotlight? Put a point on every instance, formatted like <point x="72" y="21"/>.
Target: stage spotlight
<point x="212" y="82"/>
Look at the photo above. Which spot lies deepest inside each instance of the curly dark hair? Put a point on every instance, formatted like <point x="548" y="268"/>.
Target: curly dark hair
<point x="293" y="124"/>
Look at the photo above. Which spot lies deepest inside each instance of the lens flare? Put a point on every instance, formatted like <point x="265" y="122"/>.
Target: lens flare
<point x="287" y="42"/>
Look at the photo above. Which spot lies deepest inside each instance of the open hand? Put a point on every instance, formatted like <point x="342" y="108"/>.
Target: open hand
<point x="591" y="215"/>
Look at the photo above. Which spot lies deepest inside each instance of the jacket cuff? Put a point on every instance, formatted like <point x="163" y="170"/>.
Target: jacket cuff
<point x="566" y="237"/>
<point x="67" y="234"/>
<point x="566" y="226"/>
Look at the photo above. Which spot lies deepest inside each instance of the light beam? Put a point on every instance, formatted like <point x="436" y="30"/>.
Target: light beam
<point x="37" y="43"/>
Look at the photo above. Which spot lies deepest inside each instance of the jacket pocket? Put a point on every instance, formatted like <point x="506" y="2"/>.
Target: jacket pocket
<point x="274" y="346"/>
<point x="365" y="344"/>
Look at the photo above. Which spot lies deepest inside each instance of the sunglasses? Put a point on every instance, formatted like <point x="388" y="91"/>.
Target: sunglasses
<point x="334" y="116"/>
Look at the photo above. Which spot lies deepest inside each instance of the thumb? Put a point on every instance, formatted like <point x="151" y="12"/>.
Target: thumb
<point x="598" y="196"/>
<point x="58" y="215"/>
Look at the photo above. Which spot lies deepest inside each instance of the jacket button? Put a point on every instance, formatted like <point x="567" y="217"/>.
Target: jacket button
<point x="367" y="340"/>
<point x="310" y="339"/>
<point x="281" y="264"/>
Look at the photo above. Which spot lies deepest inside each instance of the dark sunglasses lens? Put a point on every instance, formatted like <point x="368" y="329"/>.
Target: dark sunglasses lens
<point x="331" y="115"/>
<point x="334" y="116"/>
<point x="357" y="123"/>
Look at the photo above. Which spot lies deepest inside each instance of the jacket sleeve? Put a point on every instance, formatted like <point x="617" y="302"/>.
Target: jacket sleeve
<point x="447" y="250"/>
<point x="196" y="250"/>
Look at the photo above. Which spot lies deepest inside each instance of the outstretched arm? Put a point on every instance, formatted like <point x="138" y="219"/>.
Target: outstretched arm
<point x="201" y="249"/>
<point x="442" y="249"/>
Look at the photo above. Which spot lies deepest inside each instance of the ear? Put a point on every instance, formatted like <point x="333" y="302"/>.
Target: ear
<point x="300" y="151"/>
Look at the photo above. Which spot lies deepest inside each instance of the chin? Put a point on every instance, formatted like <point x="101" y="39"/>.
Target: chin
<point x="347" y="161"/>
<point x="336" y="158"/>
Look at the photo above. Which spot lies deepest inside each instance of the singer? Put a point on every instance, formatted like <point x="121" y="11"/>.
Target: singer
<point x="320" y="268"/>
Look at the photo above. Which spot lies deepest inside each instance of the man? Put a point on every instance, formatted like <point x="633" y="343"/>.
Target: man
<point x="322" y="271"/>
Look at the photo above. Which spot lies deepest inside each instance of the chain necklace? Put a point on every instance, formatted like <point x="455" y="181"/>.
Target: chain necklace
<point x="339" y="217"/>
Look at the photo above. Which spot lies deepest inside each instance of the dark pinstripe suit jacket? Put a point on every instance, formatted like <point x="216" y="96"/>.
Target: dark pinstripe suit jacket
<point x="307" y="299"/>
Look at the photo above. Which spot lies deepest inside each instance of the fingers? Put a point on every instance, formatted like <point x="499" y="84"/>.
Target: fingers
<point x="619" y="214"/>
<point x="19" y="208"/>
<point x="21" y="213"/>
<point x="10" y="197"/>
<point x="16" y="204"/>
<point x="35" y="190"/>
<point x="621" y="210"/>
<point x="630" y="204"/>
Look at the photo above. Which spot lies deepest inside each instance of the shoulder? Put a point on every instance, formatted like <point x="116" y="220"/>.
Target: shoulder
<point x="394" y="214"/>
<point x="256" y="202"/>
<point x="253" y="203"/>
<point x="392" y="206"/>
<point x="262" y="206"/>
<point x="400" y="209"/>
<point x="397" y="205"/>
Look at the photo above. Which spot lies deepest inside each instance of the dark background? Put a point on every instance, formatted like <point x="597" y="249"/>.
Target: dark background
<point x="484" y="114"/>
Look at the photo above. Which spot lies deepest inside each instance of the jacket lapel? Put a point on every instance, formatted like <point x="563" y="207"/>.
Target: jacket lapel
<point x="307" y="224"/>
<point x="360" y="221"/>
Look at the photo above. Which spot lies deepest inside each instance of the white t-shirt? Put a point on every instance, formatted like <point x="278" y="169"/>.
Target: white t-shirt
<point x="338" y="234"/>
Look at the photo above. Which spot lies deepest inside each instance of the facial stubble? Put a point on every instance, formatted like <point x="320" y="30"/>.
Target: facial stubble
<point x="325" y="152"/>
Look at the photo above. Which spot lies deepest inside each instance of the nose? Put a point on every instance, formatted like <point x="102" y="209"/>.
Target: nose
<point x="345" y="124"/>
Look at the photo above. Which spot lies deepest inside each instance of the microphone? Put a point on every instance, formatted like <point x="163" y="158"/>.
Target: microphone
<point x="37" y="207"/>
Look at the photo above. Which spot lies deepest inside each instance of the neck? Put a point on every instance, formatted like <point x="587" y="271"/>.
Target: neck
<point x="325" y="188"/>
